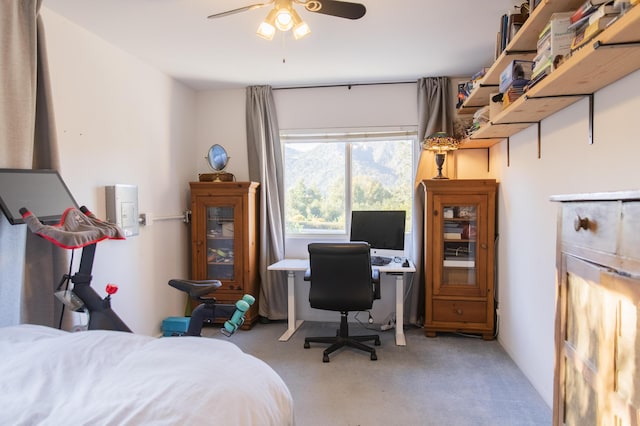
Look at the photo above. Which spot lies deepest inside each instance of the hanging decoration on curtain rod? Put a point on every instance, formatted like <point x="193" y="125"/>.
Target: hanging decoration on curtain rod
<point x="284" y="17"/>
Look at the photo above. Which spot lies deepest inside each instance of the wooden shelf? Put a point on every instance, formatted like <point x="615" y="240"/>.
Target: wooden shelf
<point x="610" y="56"/>
<point x="479" y="143"/>
<point x="521" y="47"/>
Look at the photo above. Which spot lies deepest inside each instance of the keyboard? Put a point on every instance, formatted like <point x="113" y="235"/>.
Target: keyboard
<point x="380" y="260"/>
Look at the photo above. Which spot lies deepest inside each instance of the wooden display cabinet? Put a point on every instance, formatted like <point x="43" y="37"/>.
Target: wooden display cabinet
<point x="596" y="380"/>
<point x="460" y="218"/>
<point x="224" y="240"/>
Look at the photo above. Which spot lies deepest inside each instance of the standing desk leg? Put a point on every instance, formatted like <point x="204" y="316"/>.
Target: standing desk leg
<point x="293" y="325"/>
<point x="400" y="339"/>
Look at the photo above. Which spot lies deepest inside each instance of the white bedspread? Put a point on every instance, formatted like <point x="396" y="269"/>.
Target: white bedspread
<point x="52" y="377"/>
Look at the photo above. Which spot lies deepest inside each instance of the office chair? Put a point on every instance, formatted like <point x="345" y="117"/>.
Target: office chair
<point x="342" y="280"/>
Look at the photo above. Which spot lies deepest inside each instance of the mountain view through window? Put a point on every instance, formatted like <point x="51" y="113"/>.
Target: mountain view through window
<point x="325" y="181"/>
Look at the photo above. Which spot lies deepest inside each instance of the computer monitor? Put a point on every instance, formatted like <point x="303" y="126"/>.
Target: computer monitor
<point x="382" y="229"/>
<point x="43" y="192"/>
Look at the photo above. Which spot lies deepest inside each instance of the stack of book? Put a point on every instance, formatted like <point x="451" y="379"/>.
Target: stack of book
<point x="452" y="231"/>
<point x="591" y="18"/>
<point x="514" y="79"/>
<point x="514" y="92"/>
<point x="554" y="43"/>
<point x="510" y="24"/>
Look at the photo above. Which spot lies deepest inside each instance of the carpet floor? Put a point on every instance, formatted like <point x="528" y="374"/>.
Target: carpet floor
<point x="447" y="380"/>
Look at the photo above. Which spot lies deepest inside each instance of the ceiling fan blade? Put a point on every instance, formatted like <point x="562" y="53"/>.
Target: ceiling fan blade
<point x="240" y="9"/>
<point x="341" y="9"/>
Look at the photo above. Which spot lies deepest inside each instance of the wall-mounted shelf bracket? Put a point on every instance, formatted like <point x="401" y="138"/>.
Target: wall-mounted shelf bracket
<point x="591" y="119"/>
<point x="599" y="44"/>
<point x="508" y="152"/>
<point x="520" y="52"/>
<point x="488" y="160"/>
<point x="539" y="140"/>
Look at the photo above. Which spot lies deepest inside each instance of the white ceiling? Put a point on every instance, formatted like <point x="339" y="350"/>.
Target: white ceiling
<point x="396" y="40"/>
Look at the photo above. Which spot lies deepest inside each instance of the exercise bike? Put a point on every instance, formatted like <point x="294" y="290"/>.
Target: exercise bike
<point x="209" y="309"/>
<point x="79" y="228"/>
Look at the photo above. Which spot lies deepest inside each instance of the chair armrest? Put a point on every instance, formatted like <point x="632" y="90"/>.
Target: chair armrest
<point x="307" y="274"/>
<point x="375" y="280"/>
<point x="375" y="276"/>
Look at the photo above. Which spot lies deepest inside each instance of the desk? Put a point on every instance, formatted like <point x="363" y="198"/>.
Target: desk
<point x="296" y="265"/>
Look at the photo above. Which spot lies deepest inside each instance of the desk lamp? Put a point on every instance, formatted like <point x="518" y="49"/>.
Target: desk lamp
<point x="440" y="143"/>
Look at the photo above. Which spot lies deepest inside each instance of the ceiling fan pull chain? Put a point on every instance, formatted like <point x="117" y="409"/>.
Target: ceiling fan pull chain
<point x="284" y="59"/>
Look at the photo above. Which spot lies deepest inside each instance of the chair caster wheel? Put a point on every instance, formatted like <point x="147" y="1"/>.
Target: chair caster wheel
<point x="374" y="357"/>
<point x="325" y="358"/>
<point x="377" y="342"/>
<point x="307" y="345"/>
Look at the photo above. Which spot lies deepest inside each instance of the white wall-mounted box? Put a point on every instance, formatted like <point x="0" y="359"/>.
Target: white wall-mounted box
<point x="122" y="207"/>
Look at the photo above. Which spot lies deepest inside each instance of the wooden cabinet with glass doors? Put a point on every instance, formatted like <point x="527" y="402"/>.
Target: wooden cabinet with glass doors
<point x="224" y="240"/>
<point x="459" y="234"/>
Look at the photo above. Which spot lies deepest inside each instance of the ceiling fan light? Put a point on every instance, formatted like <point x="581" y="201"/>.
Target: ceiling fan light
<point x="301" y="30"/>
<point x="266" y="30"/>
<point x="300" y="27"/>
<point x="284" y="19"/>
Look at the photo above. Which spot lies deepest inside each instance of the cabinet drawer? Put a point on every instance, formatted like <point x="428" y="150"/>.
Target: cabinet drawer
<point x="598" y="230"/>
<point x="459" y="311"/>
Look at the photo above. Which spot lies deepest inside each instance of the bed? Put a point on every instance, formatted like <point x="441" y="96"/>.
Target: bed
<point x="98" y="377"/>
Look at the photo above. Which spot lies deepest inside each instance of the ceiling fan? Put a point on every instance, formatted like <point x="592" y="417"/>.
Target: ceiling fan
<point x="284" y="17"/>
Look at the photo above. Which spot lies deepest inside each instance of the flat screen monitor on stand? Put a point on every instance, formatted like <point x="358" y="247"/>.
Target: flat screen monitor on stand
<point x="383" y="230"/>
<point x="43" y="192"/>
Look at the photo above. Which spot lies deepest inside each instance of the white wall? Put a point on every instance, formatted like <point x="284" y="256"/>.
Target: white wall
<point x="221" y="120"/>
<point x="120" y="121"/>
<point x="527" y="224"/>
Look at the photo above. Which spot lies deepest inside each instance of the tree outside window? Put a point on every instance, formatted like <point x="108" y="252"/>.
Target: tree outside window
<point x="325" y="181"/>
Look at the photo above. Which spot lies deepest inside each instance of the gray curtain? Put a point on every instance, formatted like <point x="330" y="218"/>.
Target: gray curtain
<point x="30" y="267"/>
<point x="434" y="115"/>
<point x="265" y="166"/>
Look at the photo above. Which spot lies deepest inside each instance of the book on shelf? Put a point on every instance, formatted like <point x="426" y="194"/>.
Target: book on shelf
<point x="501" y="41"/>
<point x="588" y="32"/>
<point x="459" y="263"/>
<point x="604" y="10"/>
<point x="554" y="42"/>
<point x="575" y="26"/>
<point x="543" y="68"/>
<point x="514" y="22"/>
<point x="452" y="235"/>
<point x="586" y="8"/>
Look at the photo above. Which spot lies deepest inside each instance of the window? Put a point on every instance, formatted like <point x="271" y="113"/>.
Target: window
<point x="327" y="175"/>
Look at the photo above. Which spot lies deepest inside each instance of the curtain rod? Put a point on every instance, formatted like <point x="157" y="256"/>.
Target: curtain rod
<point x="342" y="85"/>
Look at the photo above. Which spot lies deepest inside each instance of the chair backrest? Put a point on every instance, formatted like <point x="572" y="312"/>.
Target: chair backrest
<point x="341" y="276"/>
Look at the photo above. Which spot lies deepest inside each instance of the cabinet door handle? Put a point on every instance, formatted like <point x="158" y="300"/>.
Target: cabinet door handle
<point x="581" y="223"/>
<point x="459" y="311"/>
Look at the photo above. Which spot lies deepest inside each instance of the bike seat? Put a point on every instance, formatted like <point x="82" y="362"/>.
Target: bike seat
<point x="195" y="288"/>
